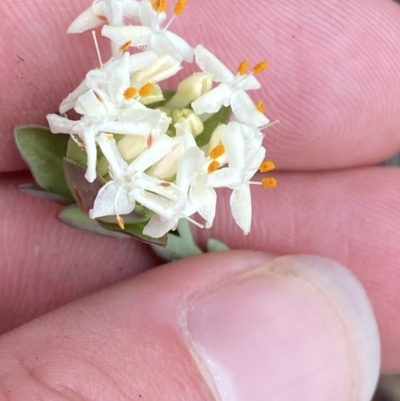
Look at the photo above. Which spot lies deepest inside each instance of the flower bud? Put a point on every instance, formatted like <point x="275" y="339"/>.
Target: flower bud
<point x="131" y="146"/>
<point x="194" y="86"/>
<point x="192" y="120"/>
<point x="163" y="68"/>
<point x="167" y="167"/>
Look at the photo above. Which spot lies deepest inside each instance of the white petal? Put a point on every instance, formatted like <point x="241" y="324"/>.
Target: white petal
<point x="157" y="226"/>
<point x="148" y="16"/>
<point x="88" y="138"/>
<point x="205" y="201"/>
<point x="139" y="35"/>
<point x="120" y="79"/>
<point x="142" y="60"/>
<point x="213" y="100"/>
<point x="109" y="148"/>
<point x="210" y="64"/>
<point x="126" y="128"/>
<point x="69" y="102"/>
<point x="86" y="20"/>
<point x="246" y="82"/>
<point x="241" y="207"/>
<point x="245" y="110"/>
<point x="162" y="68"/>
<point x="104" y="204"/>
<point x="58" y="124"/>
<point x="232" y="137"/>
<point x="184" y="49"/>
<point x="163" y="46"/>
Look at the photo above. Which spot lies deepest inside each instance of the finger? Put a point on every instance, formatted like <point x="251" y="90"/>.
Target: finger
<point x="350" y="216"/>
<point x="44" y="263"/>
<point x="335" y="97"/>
<point x="225" y="326"/>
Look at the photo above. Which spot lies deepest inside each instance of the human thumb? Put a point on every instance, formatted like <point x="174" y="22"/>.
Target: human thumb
<point x="229" y="326"/>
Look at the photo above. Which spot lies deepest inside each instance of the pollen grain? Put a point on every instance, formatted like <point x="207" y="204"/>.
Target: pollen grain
<point x="217" y="151"/>
<point x="260" y="67"/>
<point x="120" y="222"/>
<point x="243" y="67"/>
<point x="269" y="182"/>
<point x="213" y="166"/>
<point x="145" y="90"/>
<point x="125" y="46"/>
<point x="180" y="7"/>
<point x="130" y="93"/>
<point x="260" y="106"/>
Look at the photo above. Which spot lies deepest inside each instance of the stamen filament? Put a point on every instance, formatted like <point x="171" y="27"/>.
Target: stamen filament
<point x="269" y="125"/>
<point x="96" y="44"/>
<point x="194" y="222"/>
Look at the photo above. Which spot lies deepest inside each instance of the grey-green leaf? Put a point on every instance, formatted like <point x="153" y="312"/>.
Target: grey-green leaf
<point x="135" y="231"/>
<point x="75" y="217"/>
<point x="44" y="152"/>
<point x="177" y="248"/>
<point x="213" y="245"/>
<point x="39" y="192"/>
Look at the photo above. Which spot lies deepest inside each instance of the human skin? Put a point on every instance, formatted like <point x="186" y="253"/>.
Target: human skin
<point x="333" y="82"/>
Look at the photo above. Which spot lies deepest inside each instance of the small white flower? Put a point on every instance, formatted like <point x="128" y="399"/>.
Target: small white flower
<point x="130" y="183"/>
<point x="111" y="80"/>
<point x="101" y="11"/>
<point x="244" y="159"/>
<point x="151" y="35"/>
<point x="230" y="92"/>
<point x="89" y="133"/>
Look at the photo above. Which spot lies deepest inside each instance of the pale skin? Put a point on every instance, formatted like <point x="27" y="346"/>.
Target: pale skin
<point x="333" y="82"/>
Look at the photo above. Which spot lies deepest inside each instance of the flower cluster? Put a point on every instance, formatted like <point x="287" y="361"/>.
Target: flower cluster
<point x="145" y="141"/>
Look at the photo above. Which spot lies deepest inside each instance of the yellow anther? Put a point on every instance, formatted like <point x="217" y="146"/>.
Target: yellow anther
<point x="130" y="93"/>
<point x="125" y="46"/>
<point x="218" y="151"/>
<point x="269" y="182"/>
<point x="120" y="222"/>
<point x="260" y="106"/>
<point x="180" y="7"/>
<point x="243" y="67"/>
<point x="214" y="165"/>
<point x="159" y="5"/>
<point x="145" y="90"/>
<point x="260" y="67"/>
<point x="267" y="165"/>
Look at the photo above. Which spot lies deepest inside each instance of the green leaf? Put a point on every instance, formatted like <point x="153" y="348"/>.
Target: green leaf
<point x="136" y="231"/>
<point x="44" y="152"/>
<point x="39" y="192"/>
<point x="139" y="215"/>
<point x="177" y="248"/>
<point x="75" y="153"/>
<point x="222" y="117"/>
<point x="213" y="245"/>
<point x="75" y="217"/>
<point x="84" y="192"/>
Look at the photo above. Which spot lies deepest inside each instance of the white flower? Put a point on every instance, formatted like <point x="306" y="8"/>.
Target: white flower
<point x="230" y="92"/>
<point x="111" y="80"/>
<point x="244" y="158"/>
<point x="130" y="183"/>
<point x="151" y="35"/>
<point x="89" y="132"/>
<point x="110" y="11"/>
